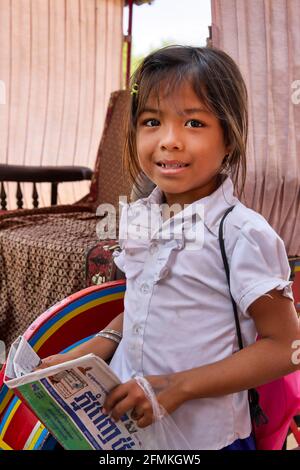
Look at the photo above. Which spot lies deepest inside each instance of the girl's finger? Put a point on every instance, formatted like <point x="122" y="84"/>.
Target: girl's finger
<point x="120" y="392"/>
<point x="145" y="420"/>
<point x="137" y="413"/>
<point x="52" y="361"/>
<point x="122" y="407"/>
<point x="43" y="364"/>
<point x="117" y="394"/>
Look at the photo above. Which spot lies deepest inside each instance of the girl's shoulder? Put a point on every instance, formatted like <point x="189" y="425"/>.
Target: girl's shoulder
<point x="246" y="225"/>
<point x="243" y="218"/>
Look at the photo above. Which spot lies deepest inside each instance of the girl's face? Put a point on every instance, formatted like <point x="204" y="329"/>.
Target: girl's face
<point x="180" y="145"/>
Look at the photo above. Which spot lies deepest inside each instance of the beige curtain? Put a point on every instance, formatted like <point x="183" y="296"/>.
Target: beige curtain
<point x="59" y="61"/>
<point x="263" y="37"/>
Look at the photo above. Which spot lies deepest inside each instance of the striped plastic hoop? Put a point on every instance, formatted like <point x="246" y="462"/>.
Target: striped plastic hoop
<point x="62" y="327"/>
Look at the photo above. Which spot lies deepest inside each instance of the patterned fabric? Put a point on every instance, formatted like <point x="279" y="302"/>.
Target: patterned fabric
<point x="41" y="261"/>
<point x="42" y="251"/>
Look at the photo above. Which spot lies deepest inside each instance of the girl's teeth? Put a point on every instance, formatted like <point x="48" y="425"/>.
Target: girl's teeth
<point x="177" y="165"/>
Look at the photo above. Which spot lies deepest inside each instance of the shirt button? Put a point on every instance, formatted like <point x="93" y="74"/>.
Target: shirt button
<point x="137" y="329"/>
<point x="145" y="288"/>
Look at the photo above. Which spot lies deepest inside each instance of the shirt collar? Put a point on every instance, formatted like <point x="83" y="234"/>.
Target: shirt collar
<point x="214" y="205"/>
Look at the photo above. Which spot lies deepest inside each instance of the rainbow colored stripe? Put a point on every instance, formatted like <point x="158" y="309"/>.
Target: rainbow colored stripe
<point x="72" y="310"/>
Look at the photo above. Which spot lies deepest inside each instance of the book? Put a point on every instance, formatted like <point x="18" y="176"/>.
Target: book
<point x="68" y="399"/>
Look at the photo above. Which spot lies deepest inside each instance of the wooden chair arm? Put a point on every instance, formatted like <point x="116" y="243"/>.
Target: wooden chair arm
<point x="40" y="174"/>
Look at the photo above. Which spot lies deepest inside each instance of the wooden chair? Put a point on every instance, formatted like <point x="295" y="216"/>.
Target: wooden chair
<point x="42" y="251"/>
<point x="38" y="174"/>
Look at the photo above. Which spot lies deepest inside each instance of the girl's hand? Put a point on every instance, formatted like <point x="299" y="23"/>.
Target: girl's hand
<point x="130" y="396"/>
<point x="54" y="360"/>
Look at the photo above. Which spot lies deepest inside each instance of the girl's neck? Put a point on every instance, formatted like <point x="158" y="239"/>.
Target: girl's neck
<point x="188" y="198"/>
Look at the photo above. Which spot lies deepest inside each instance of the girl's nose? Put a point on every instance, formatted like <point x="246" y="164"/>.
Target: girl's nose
<point x="171" y="140"/>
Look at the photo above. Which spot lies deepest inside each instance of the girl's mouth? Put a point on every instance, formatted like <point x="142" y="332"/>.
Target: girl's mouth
<point x="172" y="167"/>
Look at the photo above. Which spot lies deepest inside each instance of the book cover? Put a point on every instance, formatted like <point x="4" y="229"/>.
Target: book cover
<point x="68" y="399"/>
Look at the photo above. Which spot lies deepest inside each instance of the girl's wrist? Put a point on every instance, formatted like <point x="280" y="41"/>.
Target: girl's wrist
<point x="182" y="386"/>
<point x="70" y="355"/>
<point x="172" y="386"/>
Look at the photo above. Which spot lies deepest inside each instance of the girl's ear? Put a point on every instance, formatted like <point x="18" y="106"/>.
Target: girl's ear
<point x="228" y="150"/>
<point x="225" y="162"/>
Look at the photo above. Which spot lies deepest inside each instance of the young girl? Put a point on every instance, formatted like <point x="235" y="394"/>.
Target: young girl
<point x="187" y="133"/>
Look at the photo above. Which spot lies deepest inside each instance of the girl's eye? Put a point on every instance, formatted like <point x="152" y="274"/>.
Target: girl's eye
<point x="194" y="123"/>
<point x="151" y="123"/>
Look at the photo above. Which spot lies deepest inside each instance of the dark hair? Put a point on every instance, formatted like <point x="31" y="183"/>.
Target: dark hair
<point x="217" y="82"/>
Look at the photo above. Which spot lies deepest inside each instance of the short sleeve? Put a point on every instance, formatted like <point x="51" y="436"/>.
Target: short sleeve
<point x="258" y="264"/>
<point x="119" y="259"/>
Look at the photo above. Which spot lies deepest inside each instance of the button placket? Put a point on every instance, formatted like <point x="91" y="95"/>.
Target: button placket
<point x="163" y="256"/>
<point x="164" y="272"/>
<point x="155" y="268"/>
<point x="137" y="328"/>
<point x="137" y="346"/>
<point x="153" y="248"/>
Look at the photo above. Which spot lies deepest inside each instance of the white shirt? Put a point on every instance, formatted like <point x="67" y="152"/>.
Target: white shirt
<point x="178" y="313"/>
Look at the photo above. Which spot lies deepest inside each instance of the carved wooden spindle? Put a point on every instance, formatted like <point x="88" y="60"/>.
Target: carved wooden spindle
<point x="3" y="197"/>
<point x="35" y="197"/>
<point x="54" y="193"/>
<point x="19" y="196"/>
